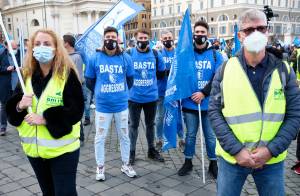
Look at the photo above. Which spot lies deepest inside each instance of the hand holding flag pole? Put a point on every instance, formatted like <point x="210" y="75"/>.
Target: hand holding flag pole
<point x="13" y="57"/>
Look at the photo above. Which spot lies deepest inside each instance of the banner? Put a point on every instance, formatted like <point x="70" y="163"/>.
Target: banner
<point x="120" y="13"/>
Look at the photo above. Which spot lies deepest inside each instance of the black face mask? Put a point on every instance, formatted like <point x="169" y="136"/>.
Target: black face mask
<point x="168" y="43"/>
<point x="217" y="47"/>
<point x="110" y="44"/>
<point x="200" y="39"/>
<point x="142" y="44"/>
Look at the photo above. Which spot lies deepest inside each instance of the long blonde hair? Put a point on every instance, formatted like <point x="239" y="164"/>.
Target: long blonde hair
<point x="61" y="64"/>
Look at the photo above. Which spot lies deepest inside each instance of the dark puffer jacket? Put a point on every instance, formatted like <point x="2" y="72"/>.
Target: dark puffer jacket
<point x="291" y="122"/>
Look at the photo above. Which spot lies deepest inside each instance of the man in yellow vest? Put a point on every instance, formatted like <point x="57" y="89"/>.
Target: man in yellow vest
<point x="254" y="110"/>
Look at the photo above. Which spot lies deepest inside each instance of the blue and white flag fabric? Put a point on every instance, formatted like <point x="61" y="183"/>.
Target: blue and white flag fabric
<point x="120" y="13"/>
<point x="237" y="44"/>
<point x="182" y="82"/>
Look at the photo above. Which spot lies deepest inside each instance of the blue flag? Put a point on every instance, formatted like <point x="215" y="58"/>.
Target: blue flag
<point x="181" y="83"/>
<point x="237" y="44"/>
<point x="119" y="14"/>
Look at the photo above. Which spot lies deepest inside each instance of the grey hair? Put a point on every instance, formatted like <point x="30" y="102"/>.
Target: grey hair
<point x="163" y="32"/>
<point x="251" y="15"/>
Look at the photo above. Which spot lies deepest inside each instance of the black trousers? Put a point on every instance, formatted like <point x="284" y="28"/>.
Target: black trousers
<point x="135" y="114"/>
<point x="57" y="176"/>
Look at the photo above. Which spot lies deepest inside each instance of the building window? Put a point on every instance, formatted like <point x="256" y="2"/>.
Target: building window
<point x="234" y="17"/>
<point x="34" y="23"/>
<point x="211" y="3"/>
<point x="212" y="30"/>
<point x="162" y="24"/>
<point x="8" y="19"/>
<point x="154" y="11"/>
<point x="223" y="18"/>
<point x="223" y="2"/>
<point x="170" y="9"/>
<point x="162" y="11"/>
<point x="178" y="8"/>
<point x="278" y="29"/>
<point x="9" y="27"/>
<point x="298" y="4"/>
<point x="211" y="19"/>
<point x="235" y="1"/>
<point x="222" y="30"/>
<point x="162" y="1"/>
<point x="178" y="23"/>
<point x="272" y="2"/>
<point x="297" y="29"/>
<point x="232" y="29"/>
<point x="279" y="2"/>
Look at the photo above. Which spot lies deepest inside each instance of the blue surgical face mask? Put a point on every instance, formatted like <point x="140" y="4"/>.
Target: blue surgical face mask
<point x="43" y="54"/>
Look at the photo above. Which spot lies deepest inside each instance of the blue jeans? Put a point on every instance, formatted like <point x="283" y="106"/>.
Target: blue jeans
<point x="87" y="94"/>
<point x="192" y="125"/>
<point x="269" y="180"/>
<point x="14" y="80"/>
<point x="102" y="123"/>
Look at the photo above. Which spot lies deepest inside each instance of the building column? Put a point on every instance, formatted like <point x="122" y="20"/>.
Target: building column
<point x="89" y="16"/>
<point x="75" y="23"/>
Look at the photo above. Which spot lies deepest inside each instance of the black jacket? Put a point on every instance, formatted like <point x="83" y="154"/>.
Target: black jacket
<point x="291" y="122"/>
<point x="59" y="120"/>
<point x="5" y="76"/>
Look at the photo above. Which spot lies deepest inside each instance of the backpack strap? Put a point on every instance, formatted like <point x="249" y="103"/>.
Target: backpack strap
<point x="215" y="55"/>
<point x="155" y="53"/>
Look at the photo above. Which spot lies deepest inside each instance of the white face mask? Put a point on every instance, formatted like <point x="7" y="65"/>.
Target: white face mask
<point x="15" y="51"/>
<point x="255" y="42"/>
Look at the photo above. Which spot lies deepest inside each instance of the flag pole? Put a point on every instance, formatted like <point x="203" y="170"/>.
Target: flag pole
<point x="13" y="57"/>
<point x="201" y="143"/>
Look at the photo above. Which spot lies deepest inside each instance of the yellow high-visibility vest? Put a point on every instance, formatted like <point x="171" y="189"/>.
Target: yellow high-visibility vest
<point x="251" y="124"/>
<point x="36" y="140"/>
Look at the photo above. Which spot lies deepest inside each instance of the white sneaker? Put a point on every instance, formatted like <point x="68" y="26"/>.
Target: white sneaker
<point x="100" y="173"/>
<point x="128" y="170"/>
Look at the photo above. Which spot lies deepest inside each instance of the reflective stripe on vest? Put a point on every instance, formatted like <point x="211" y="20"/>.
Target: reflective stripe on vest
<point x="251" y="124"/>
<point x="37" y="140"/>
<point x="245" y="118"/>
<point x="47" y="143"/>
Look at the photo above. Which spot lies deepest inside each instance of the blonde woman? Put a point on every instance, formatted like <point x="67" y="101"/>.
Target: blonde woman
<point x="50" y="133"/>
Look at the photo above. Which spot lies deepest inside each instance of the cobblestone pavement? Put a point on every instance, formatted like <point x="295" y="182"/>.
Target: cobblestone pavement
<point x="17" y="177"/>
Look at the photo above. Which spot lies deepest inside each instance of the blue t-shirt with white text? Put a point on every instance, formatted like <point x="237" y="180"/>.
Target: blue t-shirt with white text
<point x="111" y="92"/>
<point x="168" y="57"/>
<point x="206" y="67"/>
<point x="144" y="87"/>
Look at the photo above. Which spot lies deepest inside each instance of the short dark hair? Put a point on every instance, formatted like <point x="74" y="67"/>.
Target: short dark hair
<point x="141" y="31"/>
<point x="201" y="23"/>
<point x="110" y="29"/>
<point x="70" y="39"/>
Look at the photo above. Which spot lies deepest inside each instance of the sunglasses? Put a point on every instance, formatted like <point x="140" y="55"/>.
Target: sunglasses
<point x="249" y="30"/>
